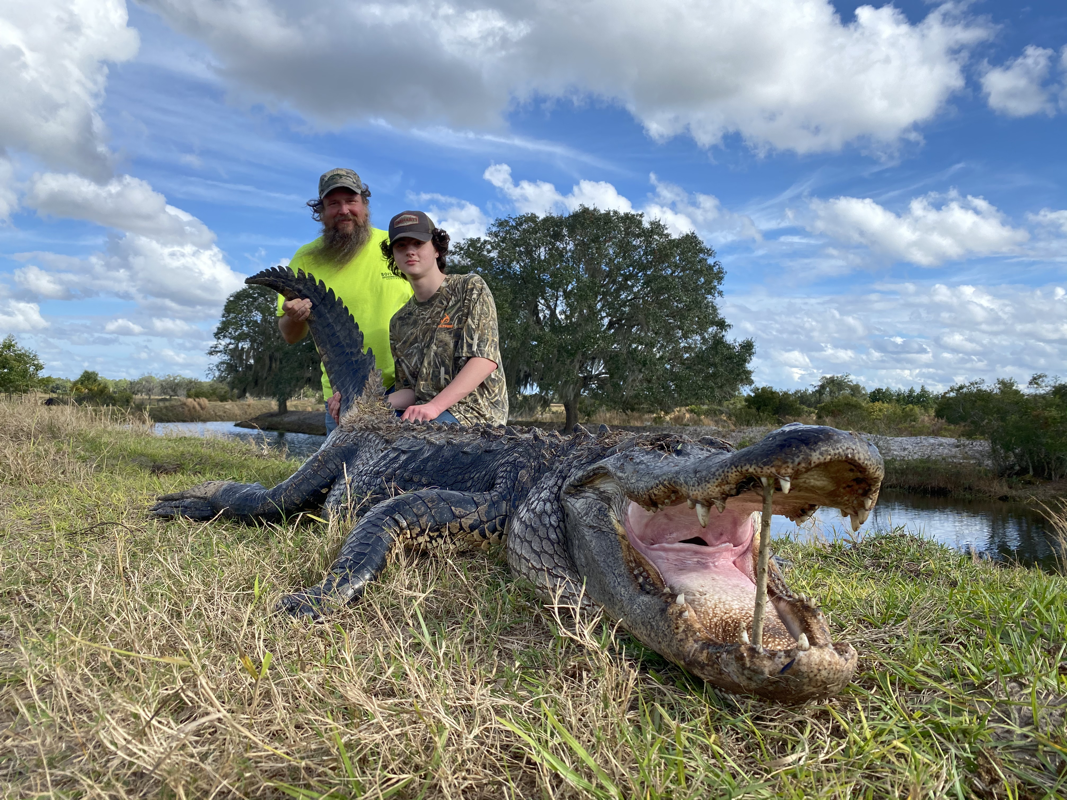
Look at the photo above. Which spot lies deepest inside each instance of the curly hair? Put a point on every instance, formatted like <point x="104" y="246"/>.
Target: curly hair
<point x="440" y="239"/>
<point x="317" y="205"/>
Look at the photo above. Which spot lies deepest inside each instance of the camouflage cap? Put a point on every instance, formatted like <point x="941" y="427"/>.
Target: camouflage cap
<point x="341" y="178"/>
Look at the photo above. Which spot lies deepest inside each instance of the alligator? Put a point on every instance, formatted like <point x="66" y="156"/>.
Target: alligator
<point x="660" y="531"/>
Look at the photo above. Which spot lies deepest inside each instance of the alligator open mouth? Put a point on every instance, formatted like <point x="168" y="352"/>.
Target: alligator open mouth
<point x="688" y="526"/>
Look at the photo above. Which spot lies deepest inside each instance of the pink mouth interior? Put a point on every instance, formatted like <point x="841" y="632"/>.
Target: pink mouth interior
<point x="721" y="566"/>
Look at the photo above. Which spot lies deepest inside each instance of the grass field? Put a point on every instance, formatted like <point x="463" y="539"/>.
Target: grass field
<point x="141" y="659"/>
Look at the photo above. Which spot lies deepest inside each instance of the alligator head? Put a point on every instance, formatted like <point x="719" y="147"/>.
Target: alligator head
<point x="666" y="540"/>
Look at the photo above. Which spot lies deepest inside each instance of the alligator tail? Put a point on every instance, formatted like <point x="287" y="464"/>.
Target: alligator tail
<point x="337" y="336"/>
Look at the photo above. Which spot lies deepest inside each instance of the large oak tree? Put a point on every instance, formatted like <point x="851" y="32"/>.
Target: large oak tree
<point x="611" y="306"/>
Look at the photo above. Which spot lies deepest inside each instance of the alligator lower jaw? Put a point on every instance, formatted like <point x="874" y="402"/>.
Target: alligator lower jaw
<point x="704" y="571"/>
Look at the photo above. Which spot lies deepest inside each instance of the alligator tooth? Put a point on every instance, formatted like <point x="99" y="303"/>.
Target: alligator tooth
<point x="763" y="481"/>
<point x="844" y="512"/>
<point x="680" y="599"/>
<point x="785" y="483"/>
<point x="721" y="505"/>
<point x="691" y="502"/>
<point x="744" y="637"/>
<point x="867" y="503"/>
<point x="685" y="615"/>
<point x="805" y="517"/>
<point x="863" y="515"/>
<point x="802" y="642"/>
<point x="702" y="515"/>
<point x="856" y="522"/>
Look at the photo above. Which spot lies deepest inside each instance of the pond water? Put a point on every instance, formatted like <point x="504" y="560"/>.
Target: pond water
<point x="296" y="445"/>
<point x="1004" y="531"/>
<point x="999" y="530"/>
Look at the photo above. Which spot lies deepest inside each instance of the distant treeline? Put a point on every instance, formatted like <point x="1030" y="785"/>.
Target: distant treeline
<point x="1026" y="426"/>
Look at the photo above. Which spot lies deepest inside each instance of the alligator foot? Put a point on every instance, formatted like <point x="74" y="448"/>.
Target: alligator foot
<point x="197" y="503"/>
<point x="306" y="604"/>
<point x="344" y="586"/>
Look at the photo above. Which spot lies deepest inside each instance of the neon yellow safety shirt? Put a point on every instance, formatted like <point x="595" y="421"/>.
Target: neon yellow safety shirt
<point x="368" y="289"/>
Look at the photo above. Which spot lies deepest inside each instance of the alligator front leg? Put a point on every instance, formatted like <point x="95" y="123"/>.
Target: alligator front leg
<point x="305" y="489"/>
<point x="428" y="519"/>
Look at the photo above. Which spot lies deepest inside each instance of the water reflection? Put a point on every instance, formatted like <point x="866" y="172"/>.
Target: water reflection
<point x="295" y="445"/>
<point x="1008" y="531"/>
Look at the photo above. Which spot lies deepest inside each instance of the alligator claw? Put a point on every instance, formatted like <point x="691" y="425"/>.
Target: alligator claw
<point x="195" y="508"/>
<point x="306" y="604"/>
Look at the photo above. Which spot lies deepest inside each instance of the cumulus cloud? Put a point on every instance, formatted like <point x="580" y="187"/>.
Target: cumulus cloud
<point x="126" y="203"/>
<point x="8" y="197"/>
<point x="39" y="283"/>
<point x="17" y="317"/>
<point x="910" y="334"/>
<point x="680" y="211"/>
<point x="462" y="219"/>
<point x="123" y="327"/>
<point x="703" y="213"/>
<point x="539" y="197"/>
<point x="926" y="235"/>
<point x="165" y="257"/>
<point x="1021" y="87"/>
<point x="1053" y="220"/>
<point x="773" y="71"/>
<point x="53" y="56"/>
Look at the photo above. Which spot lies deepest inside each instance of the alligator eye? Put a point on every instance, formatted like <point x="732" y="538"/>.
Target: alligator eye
<point x="695" y="540"/>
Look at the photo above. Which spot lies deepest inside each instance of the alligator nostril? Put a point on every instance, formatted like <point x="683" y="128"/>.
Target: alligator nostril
<point x="695" y="540"/>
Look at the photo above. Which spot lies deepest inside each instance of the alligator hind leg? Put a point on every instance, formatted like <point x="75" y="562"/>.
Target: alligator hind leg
<point x="428" y="518"/>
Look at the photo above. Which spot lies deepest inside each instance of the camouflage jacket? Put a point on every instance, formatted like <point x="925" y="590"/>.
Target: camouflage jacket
<point x="432" y="341"/>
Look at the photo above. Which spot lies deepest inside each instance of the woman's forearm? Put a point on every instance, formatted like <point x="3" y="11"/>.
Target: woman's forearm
<point x="466" y="381"/>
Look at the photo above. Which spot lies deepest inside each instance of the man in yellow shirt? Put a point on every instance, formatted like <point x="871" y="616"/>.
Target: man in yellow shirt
<point x="347" y="258"/>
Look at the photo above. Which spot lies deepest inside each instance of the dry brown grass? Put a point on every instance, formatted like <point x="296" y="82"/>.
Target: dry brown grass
<point x="141" y="659"/>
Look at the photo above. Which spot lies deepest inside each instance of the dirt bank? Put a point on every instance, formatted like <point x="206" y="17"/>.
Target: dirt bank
<point x="313" y="422"/>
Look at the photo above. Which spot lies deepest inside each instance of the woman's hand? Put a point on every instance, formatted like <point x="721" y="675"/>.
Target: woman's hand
<point x="426" y="411"/>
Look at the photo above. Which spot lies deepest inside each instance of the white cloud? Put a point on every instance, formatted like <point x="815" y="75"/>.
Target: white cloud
<point x="911" y="334"/>
<point x="1052" y="219"/>
<point x="1019" y="89"/>
<point x="924" y="235"/>
<point x="176" y="279"/>
<point x="126" y="203"/>
<point x="462" y="220"/>
<point x="53" y="56"/>
<point x="37" y="282"/>
<point x="528" y="197"/>
<point x="703" y="213"/>
<point x="176" y="329"/>
<point x="123" y="327"/>
<point x="679" y="211"/>
<point x="773" y="71"/>
<point x="8" y="197"/>
<point x="17" y="316"/>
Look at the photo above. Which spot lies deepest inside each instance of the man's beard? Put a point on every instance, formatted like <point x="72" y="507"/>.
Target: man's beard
<point x="339" y="247"/>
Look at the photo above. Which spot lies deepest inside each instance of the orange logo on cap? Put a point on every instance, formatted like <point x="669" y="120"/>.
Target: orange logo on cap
<point x="446" y="322"/>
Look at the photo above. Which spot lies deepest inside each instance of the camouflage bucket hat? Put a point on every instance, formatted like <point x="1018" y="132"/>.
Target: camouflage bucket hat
<point x="341" y="179"/>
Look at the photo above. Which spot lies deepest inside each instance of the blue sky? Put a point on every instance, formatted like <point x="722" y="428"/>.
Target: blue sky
<point x="886" y="186"/>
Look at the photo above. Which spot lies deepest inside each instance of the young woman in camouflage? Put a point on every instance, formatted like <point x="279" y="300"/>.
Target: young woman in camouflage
<point x="444" y="341"/>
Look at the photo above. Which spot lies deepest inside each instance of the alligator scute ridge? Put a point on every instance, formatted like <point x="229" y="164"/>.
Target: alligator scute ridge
<point x="655" y="529"/>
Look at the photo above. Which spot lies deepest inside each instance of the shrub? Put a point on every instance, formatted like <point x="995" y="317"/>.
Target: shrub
<point x="1027" y="430"/>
